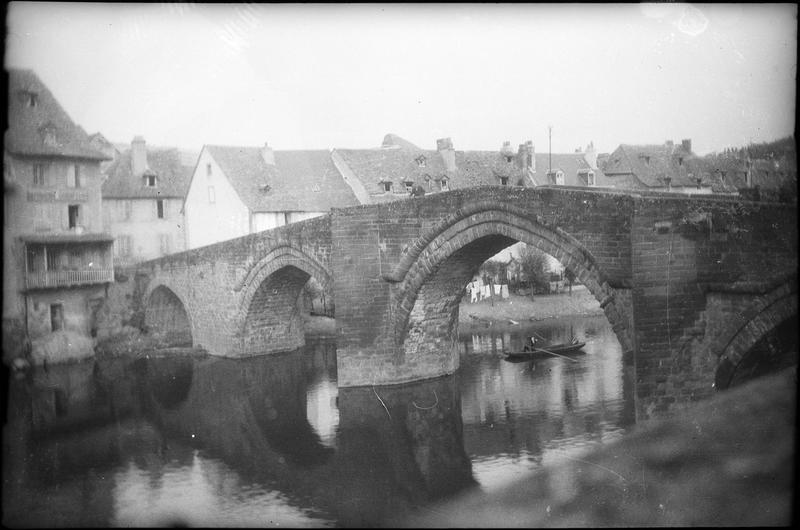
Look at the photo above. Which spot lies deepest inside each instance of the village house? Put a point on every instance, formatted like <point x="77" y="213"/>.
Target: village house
<point x="773" y="178"/>
<point x="568" y="169"/>
<point x="57" y="257"/>
<point x="668" y="167"/>
<point x="143" y="198"/>
<point x="236" y="191"/>
<point x="399" y="169"/>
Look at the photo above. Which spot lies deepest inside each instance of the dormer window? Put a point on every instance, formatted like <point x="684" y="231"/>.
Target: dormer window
<point x="150" y="181"/>
<point x="590" y="178"/>
<point x="509" y="158"/>
<point x="387" y="187"/>
<point x="504" y="181"/>
<point x="409" y="186"/>
<point x="31" y="99"/>
<point x="444" y="185"/>
<point x="421" y="161"/>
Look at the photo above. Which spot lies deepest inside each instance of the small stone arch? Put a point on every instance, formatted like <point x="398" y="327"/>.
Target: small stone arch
<point x="465" y="239"/>
<point x="166" y="314"/>
<point x="269" y="317"/>
<point x="746" y="337"/>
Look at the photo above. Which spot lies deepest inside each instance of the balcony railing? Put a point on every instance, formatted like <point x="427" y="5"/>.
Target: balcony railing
<point x="42" y="279"/>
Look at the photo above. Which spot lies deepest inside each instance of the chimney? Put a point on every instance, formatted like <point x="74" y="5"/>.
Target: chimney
<point x="687" y="145"/>
<point x="268" y="155"/>
<point x="525" y="156"/>
<point x="138" y="156"/>
<point x="590" y="155"/>
<point x="448" y="154"/>
<point x="507" y="151"/>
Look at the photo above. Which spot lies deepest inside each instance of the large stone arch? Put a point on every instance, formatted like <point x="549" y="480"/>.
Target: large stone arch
<point x="166" y="313"/>
<point x="270" y="319"/>
<point x="431" y="277"/>
<point x="734" y="346"/>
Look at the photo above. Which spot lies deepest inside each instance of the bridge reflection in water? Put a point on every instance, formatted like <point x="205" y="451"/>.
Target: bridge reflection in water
<point x="271" y="440"/>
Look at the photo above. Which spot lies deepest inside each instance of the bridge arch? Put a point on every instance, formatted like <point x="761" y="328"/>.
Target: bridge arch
<point x="740" y="346"/>
<point x="432" y="275"/>
<point x="270" y="319"/>
<point x="165" y="312"/>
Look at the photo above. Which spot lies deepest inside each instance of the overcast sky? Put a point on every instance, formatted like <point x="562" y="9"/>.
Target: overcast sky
<point x="326" y="76"/>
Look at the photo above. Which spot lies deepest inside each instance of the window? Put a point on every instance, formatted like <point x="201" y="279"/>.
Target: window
<point x="122" y="246"/>
<point x="72" y="214"/>
<point x="74" y="176"/>
<point x="409" y="186"/>
<point x="509" y="158"/>
<point x="387" y="187"/>
<point x="590" y="178"/>
<point x="421" y="161"/>
<point x="31" y="99"/>
<point x="150" y="181"/>
<point x="504" y="181"/>
<point x="208" y="170"/>
<point x="287" y="218"/>
<point x="444" y="185"/>
<point x="164" y="243"/>
<point x="127" y="208"/>
<point x="559" y="178"/>
<point x="160" y="208"/>
<point x="211" y="198"/>
<point x="647" y="160"/>
<point x="38" y="175"/>
<point x="56" y="316"/>
<point x="680" y="161"/>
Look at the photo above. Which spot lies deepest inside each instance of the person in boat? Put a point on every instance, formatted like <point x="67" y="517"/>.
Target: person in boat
<point x="531" y="345"/>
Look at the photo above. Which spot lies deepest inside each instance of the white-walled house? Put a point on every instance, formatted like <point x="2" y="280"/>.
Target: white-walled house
<point x="142" y="202"/>
<point x="235" y="191"/>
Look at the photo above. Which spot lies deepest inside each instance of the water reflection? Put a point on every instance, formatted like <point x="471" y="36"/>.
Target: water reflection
<point x="271" y="440"/>
<point x="519" y="416"/>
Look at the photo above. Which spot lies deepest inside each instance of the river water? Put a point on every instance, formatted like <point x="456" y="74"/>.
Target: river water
<point x="271" y="441"/>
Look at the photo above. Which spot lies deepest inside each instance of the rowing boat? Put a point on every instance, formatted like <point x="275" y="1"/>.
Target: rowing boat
<point x="556" y="349"/>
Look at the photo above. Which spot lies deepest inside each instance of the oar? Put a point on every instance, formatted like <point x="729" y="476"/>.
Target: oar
<point x="557" y="354"/>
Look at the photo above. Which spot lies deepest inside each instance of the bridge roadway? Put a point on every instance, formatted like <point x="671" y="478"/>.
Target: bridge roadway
<point x="690" y="284"/>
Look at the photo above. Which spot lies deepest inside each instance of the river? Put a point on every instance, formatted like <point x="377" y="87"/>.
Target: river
<point x="272" y="441"/>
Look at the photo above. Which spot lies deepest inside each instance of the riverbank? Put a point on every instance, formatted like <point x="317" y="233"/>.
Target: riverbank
<point x="521" y="309"/>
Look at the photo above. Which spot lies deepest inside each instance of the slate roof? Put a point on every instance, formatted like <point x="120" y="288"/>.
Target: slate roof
<point x="575" y="168"/>
<point x="731" y="172"/>
<point x="302" y="180"/>
<point x="652" y="163"/>
<point x="28" y="125"/>
<point x="399" y="164"/>
<point x="172" y="177"/>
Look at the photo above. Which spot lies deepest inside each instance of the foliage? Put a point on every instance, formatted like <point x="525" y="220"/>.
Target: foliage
<point x="496" y="270"/>
<point x="535" y="267"/>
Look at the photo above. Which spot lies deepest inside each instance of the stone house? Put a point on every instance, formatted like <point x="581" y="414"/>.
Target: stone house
<point x="399" y="169"/>
<point x="668" y="167"/>
<point x="57" y="259"/>
<point x="568" y="169"/>
<point x="143" y="198"/>
<point x="235" y="191"/>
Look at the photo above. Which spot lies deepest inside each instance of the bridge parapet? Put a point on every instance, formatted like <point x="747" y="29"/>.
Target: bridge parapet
<point x="224" y="287"/>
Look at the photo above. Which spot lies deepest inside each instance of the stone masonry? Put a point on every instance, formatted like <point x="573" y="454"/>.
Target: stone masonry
<point x="668" y="270"/>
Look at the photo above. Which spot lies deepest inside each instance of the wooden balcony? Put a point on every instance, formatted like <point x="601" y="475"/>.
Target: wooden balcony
<point x="67" y="278"/>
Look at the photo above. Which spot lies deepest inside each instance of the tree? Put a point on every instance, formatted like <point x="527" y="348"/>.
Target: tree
<point x="570" y="277"/>
<point x="534" y="265"/>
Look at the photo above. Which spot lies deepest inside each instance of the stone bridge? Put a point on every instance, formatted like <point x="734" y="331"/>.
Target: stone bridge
<point x="690" y="284"/>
